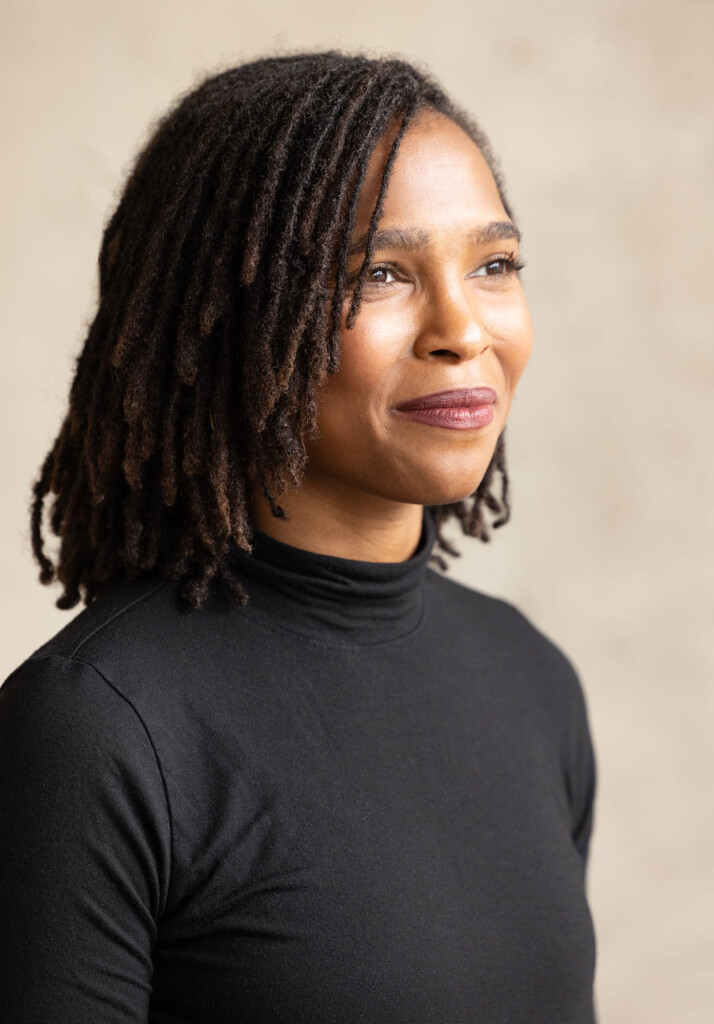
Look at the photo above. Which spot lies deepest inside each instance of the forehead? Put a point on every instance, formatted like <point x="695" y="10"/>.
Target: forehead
<point x="439" y="180"/>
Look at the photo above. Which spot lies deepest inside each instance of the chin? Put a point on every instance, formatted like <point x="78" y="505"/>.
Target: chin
<point x="441" y="490"/>
<point x="438" y="494"/>
<point x="437" y="480"/>
<point x="449" y="498"/>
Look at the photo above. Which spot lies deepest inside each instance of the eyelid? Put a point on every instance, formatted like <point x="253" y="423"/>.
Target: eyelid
<point x="507" y="257"/>
<point x="351" y="278"/>
<point x="511" y="258"/>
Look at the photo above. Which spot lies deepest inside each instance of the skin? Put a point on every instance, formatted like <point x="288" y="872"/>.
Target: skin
<point x="420" y="329"/>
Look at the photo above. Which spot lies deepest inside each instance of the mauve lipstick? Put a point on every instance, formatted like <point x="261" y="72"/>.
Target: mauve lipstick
<point x="461" y="409"/>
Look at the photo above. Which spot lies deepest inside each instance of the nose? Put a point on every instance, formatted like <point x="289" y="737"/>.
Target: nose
<point x="452" y="323"/>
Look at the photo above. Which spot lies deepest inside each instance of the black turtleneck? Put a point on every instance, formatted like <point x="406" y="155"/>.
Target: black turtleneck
<point x="366" y="797"/>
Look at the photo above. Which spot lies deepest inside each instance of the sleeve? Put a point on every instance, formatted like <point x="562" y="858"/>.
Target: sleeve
<point x="583" y="774"/>
<point x="84" y="848"/>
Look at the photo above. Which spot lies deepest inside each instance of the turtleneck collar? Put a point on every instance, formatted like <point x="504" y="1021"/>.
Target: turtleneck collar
<point x="335" y="600"/>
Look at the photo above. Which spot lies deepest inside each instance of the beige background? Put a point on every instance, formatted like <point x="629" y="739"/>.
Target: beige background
<point x="602" y="115"/>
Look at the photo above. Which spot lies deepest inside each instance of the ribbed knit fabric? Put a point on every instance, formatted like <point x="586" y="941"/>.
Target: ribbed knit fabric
<point x="364" y="798"/>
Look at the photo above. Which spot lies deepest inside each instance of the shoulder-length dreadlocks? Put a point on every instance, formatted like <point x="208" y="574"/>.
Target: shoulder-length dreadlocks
<point x="213" y="330"/>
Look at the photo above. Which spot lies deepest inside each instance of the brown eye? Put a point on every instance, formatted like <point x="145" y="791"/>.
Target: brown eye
<point x="370" y="278"/>
<point x="379" y="270"/>
<point x="500" y="266"/>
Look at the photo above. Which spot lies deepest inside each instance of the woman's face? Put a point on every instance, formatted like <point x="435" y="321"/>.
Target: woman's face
<point x="441" y="309"/>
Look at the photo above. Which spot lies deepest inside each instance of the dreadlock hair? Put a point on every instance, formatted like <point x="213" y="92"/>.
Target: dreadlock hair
<point x="213" y="331"/>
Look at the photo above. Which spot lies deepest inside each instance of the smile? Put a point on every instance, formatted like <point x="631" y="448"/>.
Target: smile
<point x="452" y="417"/>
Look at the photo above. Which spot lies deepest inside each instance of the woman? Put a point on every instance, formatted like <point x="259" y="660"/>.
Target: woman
<point x="280" y="769"/>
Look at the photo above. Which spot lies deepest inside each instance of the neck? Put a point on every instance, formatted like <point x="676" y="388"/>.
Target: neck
<point x="341" y="521"/>
<point x="335" y="600"/>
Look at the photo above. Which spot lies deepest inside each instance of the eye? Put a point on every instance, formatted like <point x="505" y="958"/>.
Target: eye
<point x="499" y="266"/>
<point x="377" y="276"/>
<point x="382" y="269"/>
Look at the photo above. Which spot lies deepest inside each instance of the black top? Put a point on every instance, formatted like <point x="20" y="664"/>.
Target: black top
<point x="367" y="796"/>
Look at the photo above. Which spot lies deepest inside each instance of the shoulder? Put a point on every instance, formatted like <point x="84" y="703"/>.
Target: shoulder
<point x="138" y="634"/>
<point x="126" y="609"/>
<point x="75" y="754"/>
<point x="529" y="671"/>
<point x="57" y="706"/>
<point x="138" y="651"/>
<point x="82" y="689"/>
<point x="508" y="639"/>
<point x="84" y="791"/>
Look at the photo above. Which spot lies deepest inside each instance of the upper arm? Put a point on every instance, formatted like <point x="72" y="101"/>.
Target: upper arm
<point x="583" y="772"/>
<point x="84" y="848"/>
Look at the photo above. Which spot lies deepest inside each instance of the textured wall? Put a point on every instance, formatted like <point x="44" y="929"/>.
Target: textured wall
<point x="602" y="115"/>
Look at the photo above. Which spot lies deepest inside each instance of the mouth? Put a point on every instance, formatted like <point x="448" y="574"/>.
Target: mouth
<point x="463" y="409"/>
<point x="463" y="398"/>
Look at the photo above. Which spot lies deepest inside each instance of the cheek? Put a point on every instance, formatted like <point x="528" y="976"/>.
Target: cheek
<point x="350" y="402"/>
<point x="368" y="352"/>
<point x="516" y="334"/>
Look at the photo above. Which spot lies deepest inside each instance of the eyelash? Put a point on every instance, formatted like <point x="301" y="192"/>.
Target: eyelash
<point x="513" y="266"/>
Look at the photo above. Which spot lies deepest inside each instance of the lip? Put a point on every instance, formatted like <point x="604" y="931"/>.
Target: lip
<point x="452" y="417"/>
<point x="463" y="398"/>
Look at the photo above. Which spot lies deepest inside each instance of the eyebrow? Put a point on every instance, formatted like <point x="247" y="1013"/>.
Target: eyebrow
<point x="412" y="239"/>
